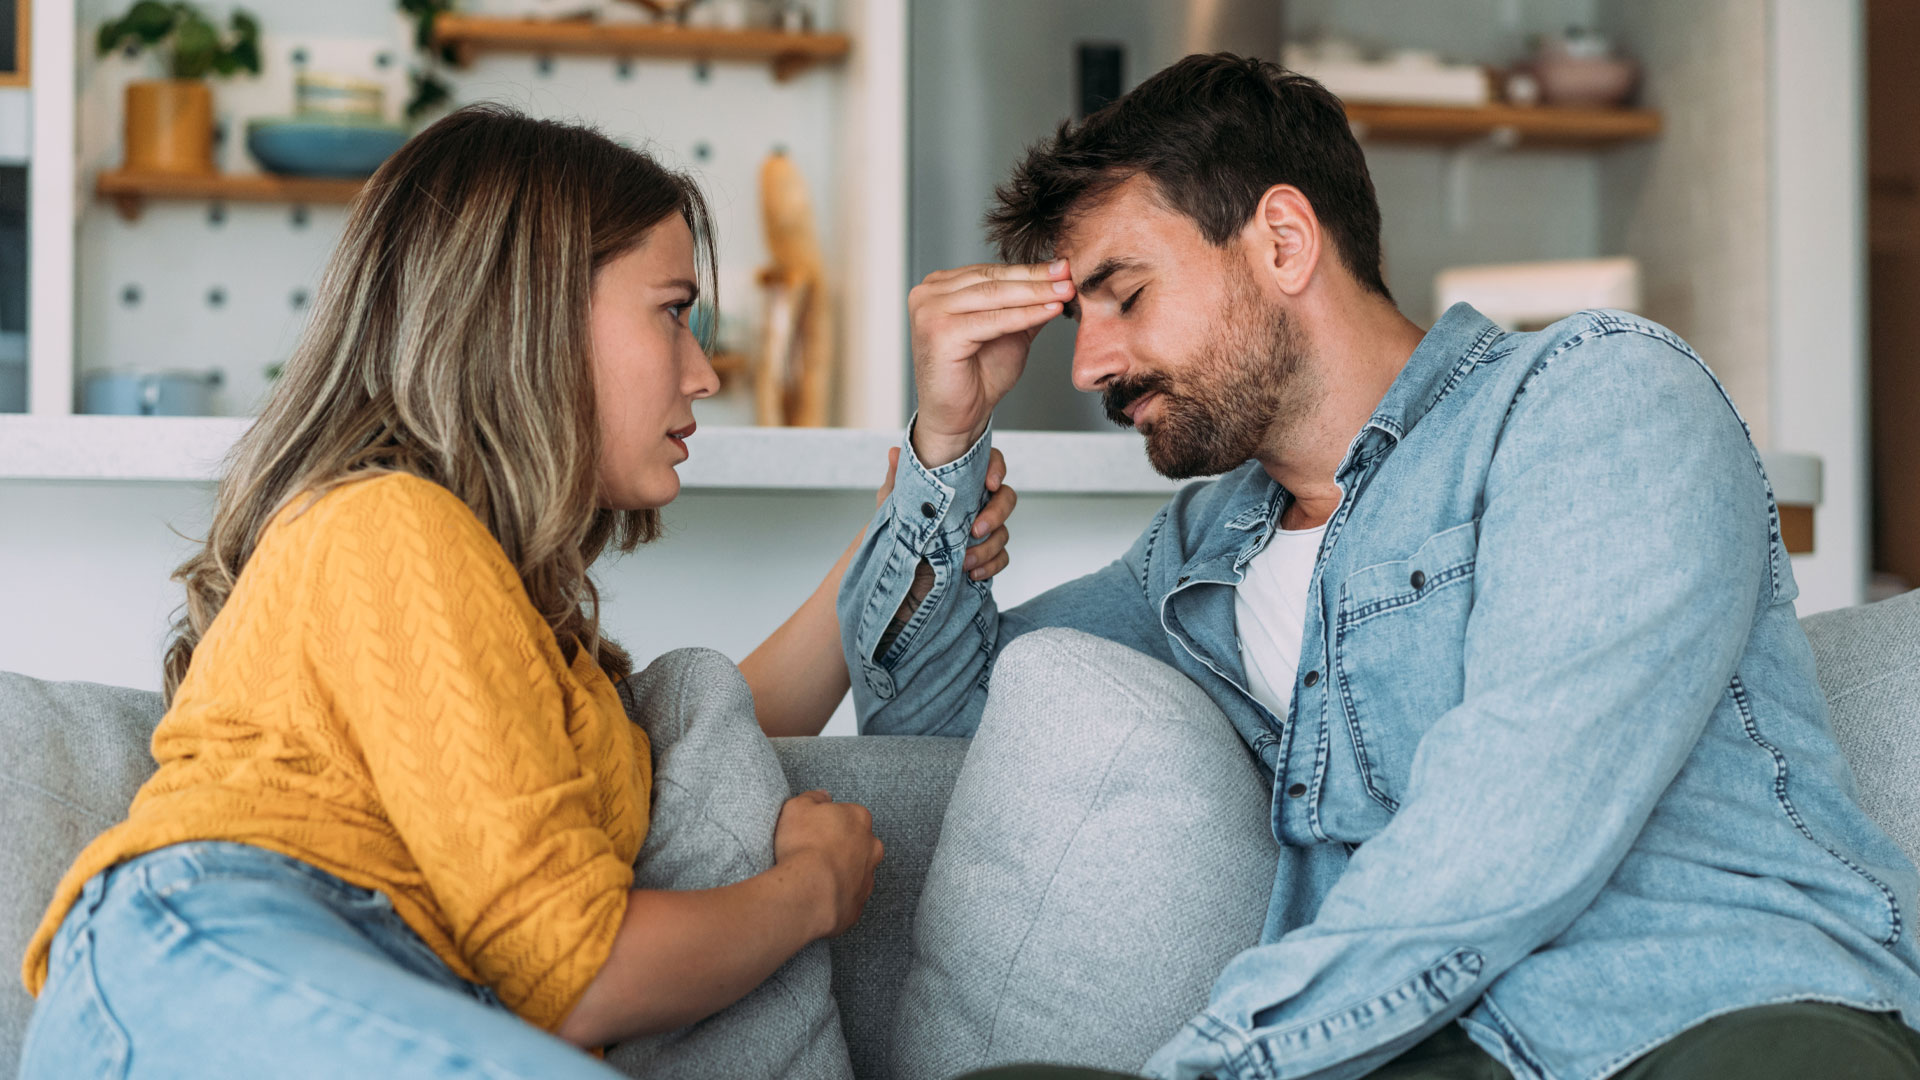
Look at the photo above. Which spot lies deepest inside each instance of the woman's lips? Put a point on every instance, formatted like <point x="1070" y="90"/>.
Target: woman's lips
<point x="679" y="437"/>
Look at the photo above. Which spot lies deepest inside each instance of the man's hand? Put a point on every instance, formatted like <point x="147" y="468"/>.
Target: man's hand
<point x="971" y="329"/>
<point x="833" y="841"/>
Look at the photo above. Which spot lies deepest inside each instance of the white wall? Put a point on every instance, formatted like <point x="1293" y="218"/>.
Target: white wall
<point x="145" y="291"/>
<point x="1443" y="207"/>
<point x="1694" y="205"/>
<point x="1816" y="102"/>
<point x="84" y="589"/>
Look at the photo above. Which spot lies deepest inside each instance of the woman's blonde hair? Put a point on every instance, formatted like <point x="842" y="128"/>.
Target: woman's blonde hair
<point x="450" y="339"/>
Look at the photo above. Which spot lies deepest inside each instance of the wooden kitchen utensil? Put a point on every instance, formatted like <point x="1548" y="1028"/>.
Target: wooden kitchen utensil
<point x="794" y="373"/>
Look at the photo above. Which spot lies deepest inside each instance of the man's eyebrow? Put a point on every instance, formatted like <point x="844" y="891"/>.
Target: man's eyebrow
<point x="1108" y="267"/>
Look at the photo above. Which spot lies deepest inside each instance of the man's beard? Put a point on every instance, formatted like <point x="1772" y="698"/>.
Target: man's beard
<point x="1233" y="390"/>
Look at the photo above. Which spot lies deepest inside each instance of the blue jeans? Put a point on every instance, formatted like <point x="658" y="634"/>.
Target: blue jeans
<point x="216" y="959"/>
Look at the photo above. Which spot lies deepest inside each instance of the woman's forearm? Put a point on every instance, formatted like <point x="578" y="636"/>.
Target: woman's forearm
<point x="798" y="675"/>
<point x="683" y="956"/>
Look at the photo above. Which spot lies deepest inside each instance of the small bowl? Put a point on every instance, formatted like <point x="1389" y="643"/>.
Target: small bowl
<point x="312" y="146"/>
<point x="1585" y="80"/>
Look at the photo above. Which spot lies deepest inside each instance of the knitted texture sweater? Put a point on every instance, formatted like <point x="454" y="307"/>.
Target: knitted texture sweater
<point x="379" y="698"/>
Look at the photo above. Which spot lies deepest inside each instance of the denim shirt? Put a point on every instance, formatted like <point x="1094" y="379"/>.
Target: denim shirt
<point x="1556" y="766"/>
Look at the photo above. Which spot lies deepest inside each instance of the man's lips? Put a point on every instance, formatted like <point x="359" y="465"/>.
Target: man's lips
<point x="1133" y="410"/>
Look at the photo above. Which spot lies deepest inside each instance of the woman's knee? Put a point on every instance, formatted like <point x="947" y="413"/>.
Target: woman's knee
<point x="684" y="686"/>
<point x="718" y="785"/>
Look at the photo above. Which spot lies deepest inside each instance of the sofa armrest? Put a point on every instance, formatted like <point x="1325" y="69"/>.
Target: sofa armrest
<point x="906" y="781"/>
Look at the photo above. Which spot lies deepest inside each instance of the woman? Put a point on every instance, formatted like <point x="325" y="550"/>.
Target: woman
<point x="398" y="796"/>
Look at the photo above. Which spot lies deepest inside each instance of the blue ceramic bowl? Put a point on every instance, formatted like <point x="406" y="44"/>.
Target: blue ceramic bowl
<point x="310" y="146"/>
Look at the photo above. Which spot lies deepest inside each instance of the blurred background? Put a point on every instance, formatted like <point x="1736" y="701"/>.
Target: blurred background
<point x="1744" y="171"/>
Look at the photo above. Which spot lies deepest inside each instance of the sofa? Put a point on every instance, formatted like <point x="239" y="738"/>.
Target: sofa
<point x="73" y="754"/>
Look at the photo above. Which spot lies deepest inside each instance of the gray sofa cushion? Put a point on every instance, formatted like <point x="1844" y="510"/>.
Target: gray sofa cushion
<point x="73" y="754"/>
<point x="1100" y="782"/>
<point x="71" y="757"/>
<point x="1869" y="663"/>
<point x="905" y="780"/>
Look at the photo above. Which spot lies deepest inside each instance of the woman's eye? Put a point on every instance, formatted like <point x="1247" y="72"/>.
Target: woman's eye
<point x="1127" y="304"/>
<point x="679" y="311"/>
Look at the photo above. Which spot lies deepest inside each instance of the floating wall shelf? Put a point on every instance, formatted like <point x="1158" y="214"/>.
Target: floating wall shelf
<point x="1508" y="125"/>
<point x="789" y="53"/>
<point x="130" y="190"/>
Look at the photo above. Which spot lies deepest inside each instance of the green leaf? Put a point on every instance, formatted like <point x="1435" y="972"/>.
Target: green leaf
<point x="145" y="24"/>
<point x="196" y="48"/>
<point x="244" y="53"/>
<point x="428" y="91"/>
<point x="150" y="21"/>
<point x="246" y="56"/>
<point x="109" y="37"/>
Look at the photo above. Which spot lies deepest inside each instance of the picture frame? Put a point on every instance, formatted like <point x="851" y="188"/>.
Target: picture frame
<point x="16" y="42"/>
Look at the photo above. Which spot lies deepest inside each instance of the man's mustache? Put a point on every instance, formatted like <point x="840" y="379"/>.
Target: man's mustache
<point x="1121" y="393"/>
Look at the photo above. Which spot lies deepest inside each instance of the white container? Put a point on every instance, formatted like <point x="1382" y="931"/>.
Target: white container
<point x="1529" y="295"/>
<point x="1408" y="77"/>
<point x="16" y="125"/>
<point x="13" y="371"/>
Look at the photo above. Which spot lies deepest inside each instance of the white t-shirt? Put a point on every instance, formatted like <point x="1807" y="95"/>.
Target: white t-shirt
<point x="1270" y="607"/>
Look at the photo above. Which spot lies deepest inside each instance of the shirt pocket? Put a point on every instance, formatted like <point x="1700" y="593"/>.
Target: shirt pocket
<point x="1399" y="647"/>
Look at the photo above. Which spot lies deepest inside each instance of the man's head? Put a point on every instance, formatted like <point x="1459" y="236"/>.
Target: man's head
<point x="1199" y="213"/>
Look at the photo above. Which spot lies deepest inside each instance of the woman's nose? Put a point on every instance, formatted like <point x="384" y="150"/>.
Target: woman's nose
<point x="702" y="380"/>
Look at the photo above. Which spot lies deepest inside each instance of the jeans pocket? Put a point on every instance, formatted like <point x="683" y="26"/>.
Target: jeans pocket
<point x="73" y="1033"/>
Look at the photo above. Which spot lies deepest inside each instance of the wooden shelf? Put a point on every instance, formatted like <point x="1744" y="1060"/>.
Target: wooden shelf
<point x="1538" y="125"/>
<point x="789" y="54"/>
<point x="130" y="190"/>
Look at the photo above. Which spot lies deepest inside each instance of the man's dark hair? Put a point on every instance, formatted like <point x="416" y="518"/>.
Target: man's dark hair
<point x="1213" y="133"/>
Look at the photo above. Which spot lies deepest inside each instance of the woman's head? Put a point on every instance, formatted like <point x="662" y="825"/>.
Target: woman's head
<point x="505" y="315"/>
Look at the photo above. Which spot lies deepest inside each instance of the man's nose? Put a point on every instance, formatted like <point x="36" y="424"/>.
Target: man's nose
<point x="1097" y="355"/>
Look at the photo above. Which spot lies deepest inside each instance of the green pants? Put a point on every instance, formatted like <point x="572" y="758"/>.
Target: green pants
<point x="1775" y="1042"/>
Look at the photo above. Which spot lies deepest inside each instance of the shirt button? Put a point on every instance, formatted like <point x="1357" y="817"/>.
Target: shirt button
<point x="1418" y="580"/>
<point x="1297" y="790"/>
<point x="1312" y="677"/>
<point x="927" y="510"/>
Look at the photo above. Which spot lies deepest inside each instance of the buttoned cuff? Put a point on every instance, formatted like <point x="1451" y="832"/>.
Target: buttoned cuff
<point x="933" y="509"/>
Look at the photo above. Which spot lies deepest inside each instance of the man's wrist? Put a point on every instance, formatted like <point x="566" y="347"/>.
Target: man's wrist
<point x="936" y="448"/>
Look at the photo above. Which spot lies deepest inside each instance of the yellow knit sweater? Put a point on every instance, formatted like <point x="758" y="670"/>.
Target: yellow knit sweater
<point x="380" y="699"/>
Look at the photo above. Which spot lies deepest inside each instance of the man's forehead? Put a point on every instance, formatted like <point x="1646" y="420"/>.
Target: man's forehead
<point x="1129" y="223"/>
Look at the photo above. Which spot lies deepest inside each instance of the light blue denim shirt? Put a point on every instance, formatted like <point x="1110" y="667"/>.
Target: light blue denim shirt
<point x="1556" y="766"/>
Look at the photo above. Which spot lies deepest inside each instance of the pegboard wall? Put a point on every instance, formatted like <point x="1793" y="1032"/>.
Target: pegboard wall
<point x="197" y="285"/>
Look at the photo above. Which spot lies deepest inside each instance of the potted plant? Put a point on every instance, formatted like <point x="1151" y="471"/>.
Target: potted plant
<point x="169" y="122"/>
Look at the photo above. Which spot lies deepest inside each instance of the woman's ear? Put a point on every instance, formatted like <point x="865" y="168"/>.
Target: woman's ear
<point x="1287" y="235"/>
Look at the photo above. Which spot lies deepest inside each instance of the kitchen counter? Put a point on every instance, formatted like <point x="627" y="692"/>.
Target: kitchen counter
<point x="189" y="450"/>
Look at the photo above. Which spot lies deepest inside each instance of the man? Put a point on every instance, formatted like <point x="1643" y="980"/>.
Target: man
<point x="1506" y="616"/>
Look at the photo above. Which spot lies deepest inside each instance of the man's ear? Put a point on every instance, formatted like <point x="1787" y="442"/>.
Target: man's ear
<point x="1286" y="235"/>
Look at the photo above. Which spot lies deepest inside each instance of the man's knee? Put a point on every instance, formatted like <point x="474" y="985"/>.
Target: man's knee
<point x="1067" y="691"/>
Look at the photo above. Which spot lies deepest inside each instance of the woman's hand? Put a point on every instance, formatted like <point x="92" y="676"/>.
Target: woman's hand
<point x="987" y="552"/>
<point x="798" y="675"/>
<point x="835" y="841"/>
<point x="681" y="956"/>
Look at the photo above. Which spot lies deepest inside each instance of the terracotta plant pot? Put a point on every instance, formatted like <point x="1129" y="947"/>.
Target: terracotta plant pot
<point x="169" y="126"/>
